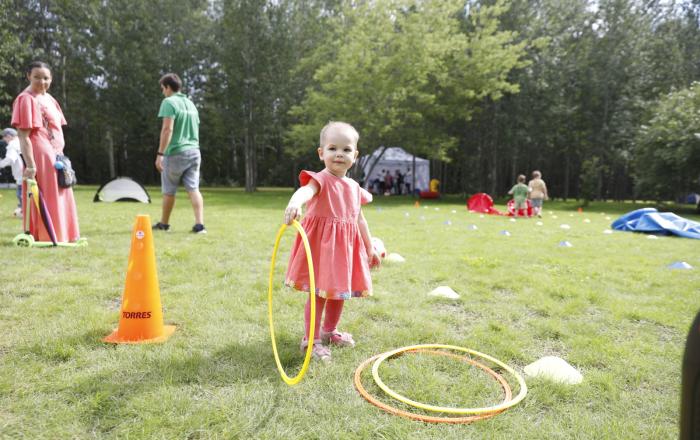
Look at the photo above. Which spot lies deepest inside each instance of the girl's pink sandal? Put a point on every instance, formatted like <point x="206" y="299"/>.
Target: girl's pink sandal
<point x="319" y="351"/>
<point x="340" y="339"/>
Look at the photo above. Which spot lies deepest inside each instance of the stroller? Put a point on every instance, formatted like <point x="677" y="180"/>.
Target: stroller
<point x="26" y="239"/>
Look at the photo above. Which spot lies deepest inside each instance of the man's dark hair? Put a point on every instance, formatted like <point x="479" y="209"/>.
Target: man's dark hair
<point x="171" y="80"/>
<point x="37" y="65"/>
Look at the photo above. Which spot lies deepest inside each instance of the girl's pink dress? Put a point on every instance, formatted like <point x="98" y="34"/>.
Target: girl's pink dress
<point x="43" y="116"/>
<point x="341" y="266"/>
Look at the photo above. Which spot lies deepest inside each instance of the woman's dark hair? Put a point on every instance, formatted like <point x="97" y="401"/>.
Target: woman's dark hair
<point x="171" y="80"/>
<point x="37" y="65"/>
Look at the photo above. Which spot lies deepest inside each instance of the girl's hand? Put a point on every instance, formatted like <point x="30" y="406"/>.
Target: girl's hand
<point x="291" y="213"/>
<point x="373" y="258"/>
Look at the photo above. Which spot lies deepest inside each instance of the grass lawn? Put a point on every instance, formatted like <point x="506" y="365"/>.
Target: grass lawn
<point x="608" y="305"/>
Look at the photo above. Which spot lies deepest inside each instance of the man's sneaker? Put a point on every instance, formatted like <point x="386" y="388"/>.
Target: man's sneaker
<point x="161" y="227"/>
<point x="17" y="212"/>
<point x="199" y="229"/>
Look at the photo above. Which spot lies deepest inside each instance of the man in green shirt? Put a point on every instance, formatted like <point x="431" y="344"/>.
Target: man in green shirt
<point x="178" y="158"/>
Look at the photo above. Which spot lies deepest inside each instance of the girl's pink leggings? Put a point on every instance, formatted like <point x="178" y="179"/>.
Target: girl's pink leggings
<point x="333" y="309"/>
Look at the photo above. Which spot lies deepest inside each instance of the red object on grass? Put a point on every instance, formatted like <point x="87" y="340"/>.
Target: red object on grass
<point x="511" y="210"/>
<point x="482" y="202"/>
<point x="429" y="194"/>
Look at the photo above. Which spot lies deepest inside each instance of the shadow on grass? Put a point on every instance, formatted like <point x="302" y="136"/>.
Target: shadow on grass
<point x="104" y="395"/>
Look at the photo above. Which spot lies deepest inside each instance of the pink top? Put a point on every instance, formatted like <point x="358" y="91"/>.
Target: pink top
<point x="341" y="266"/>
<point x="42" y="115"/>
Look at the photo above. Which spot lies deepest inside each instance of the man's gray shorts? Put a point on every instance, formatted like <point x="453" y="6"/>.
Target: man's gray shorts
<point x="181" y="167"/>
<point x="536" y="203"/>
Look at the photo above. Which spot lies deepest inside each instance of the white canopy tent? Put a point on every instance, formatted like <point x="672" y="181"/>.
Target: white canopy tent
<point x="391" y="159"/>
<point x="122" y="189"/>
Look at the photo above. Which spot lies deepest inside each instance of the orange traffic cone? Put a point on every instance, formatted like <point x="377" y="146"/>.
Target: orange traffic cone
<point x="416" y="205"/>
<point x="141" y="316"/>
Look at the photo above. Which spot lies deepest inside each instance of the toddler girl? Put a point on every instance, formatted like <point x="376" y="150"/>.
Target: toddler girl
<point x="338" y="235"/>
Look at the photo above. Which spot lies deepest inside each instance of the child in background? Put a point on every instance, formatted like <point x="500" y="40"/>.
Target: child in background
<point x="12" y="159"/>
<point x="538" y="193"/>
<point x="519" y="192"/>
<point x="338" y="235"/>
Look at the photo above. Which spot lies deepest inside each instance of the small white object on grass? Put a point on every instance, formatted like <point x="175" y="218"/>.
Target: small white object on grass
<point x="539" y="223"/>
<point x="608" y="231"/>
<point x="506" y="233"/>
<point x="652" y="237"/>
<point x="448" y="222"/>
<point x="555" y="369"/>
<point x="406" y="214"/>
<point x="395" y="258"/>
<point x="555" y="217"/>
<point x="437" y="209"/>
<point x="607" y="217"/>
<point x="473" y="227"/>
<point x="565" y="244"/>
<point x="565" y="226"/>
<point x="513" y="220"/>
<point x="444" y="292"/>
<point x="680" y="265"/>
<point x="481" y="216"/>
<point x="586" y="220"/>
<point x="454" y="212"/>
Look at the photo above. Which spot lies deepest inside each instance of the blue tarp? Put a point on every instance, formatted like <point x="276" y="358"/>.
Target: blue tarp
<point x="651" y="221"/>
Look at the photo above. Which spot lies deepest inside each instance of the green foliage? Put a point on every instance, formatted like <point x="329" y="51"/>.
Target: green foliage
<point x="668" y="148"/>
<point x="400" y="70"/>
<point x="488" y="89"/>
<point x="10" y="46"/>
<point x="592" y="170"/>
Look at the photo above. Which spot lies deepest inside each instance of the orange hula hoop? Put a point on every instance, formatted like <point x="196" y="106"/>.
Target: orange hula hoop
<point x="432" y="419"/>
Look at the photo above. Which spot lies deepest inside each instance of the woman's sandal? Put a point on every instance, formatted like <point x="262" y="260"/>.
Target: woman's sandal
<point x="319" y="351"/>
<point x="340" y="339"/>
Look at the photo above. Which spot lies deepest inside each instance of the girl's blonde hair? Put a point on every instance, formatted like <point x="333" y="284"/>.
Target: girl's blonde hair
<point x="337" y="124"/>
<point x="536" y="174"/>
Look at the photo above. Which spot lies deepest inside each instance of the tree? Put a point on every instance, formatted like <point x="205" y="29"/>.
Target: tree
<point x="401" y="71"/>
<point x="12" y="50"/>
<point x="668" y="147"/>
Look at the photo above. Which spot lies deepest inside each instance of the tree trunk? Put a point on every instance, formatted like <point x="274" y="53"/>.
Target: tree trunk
<point x="64" y="104"/>
<point x="234" y="159"/>
<point x="110" y="154"/>
<point x="494" y="171"/>
<point x="567" y="173"/>
<point x="493" y="140"/>
<point x="251" y="160"/>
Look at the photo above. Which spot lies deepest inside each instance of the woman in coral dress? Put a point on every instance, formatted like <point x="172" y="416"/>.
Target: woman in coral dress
<point x="38" y="119"/>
